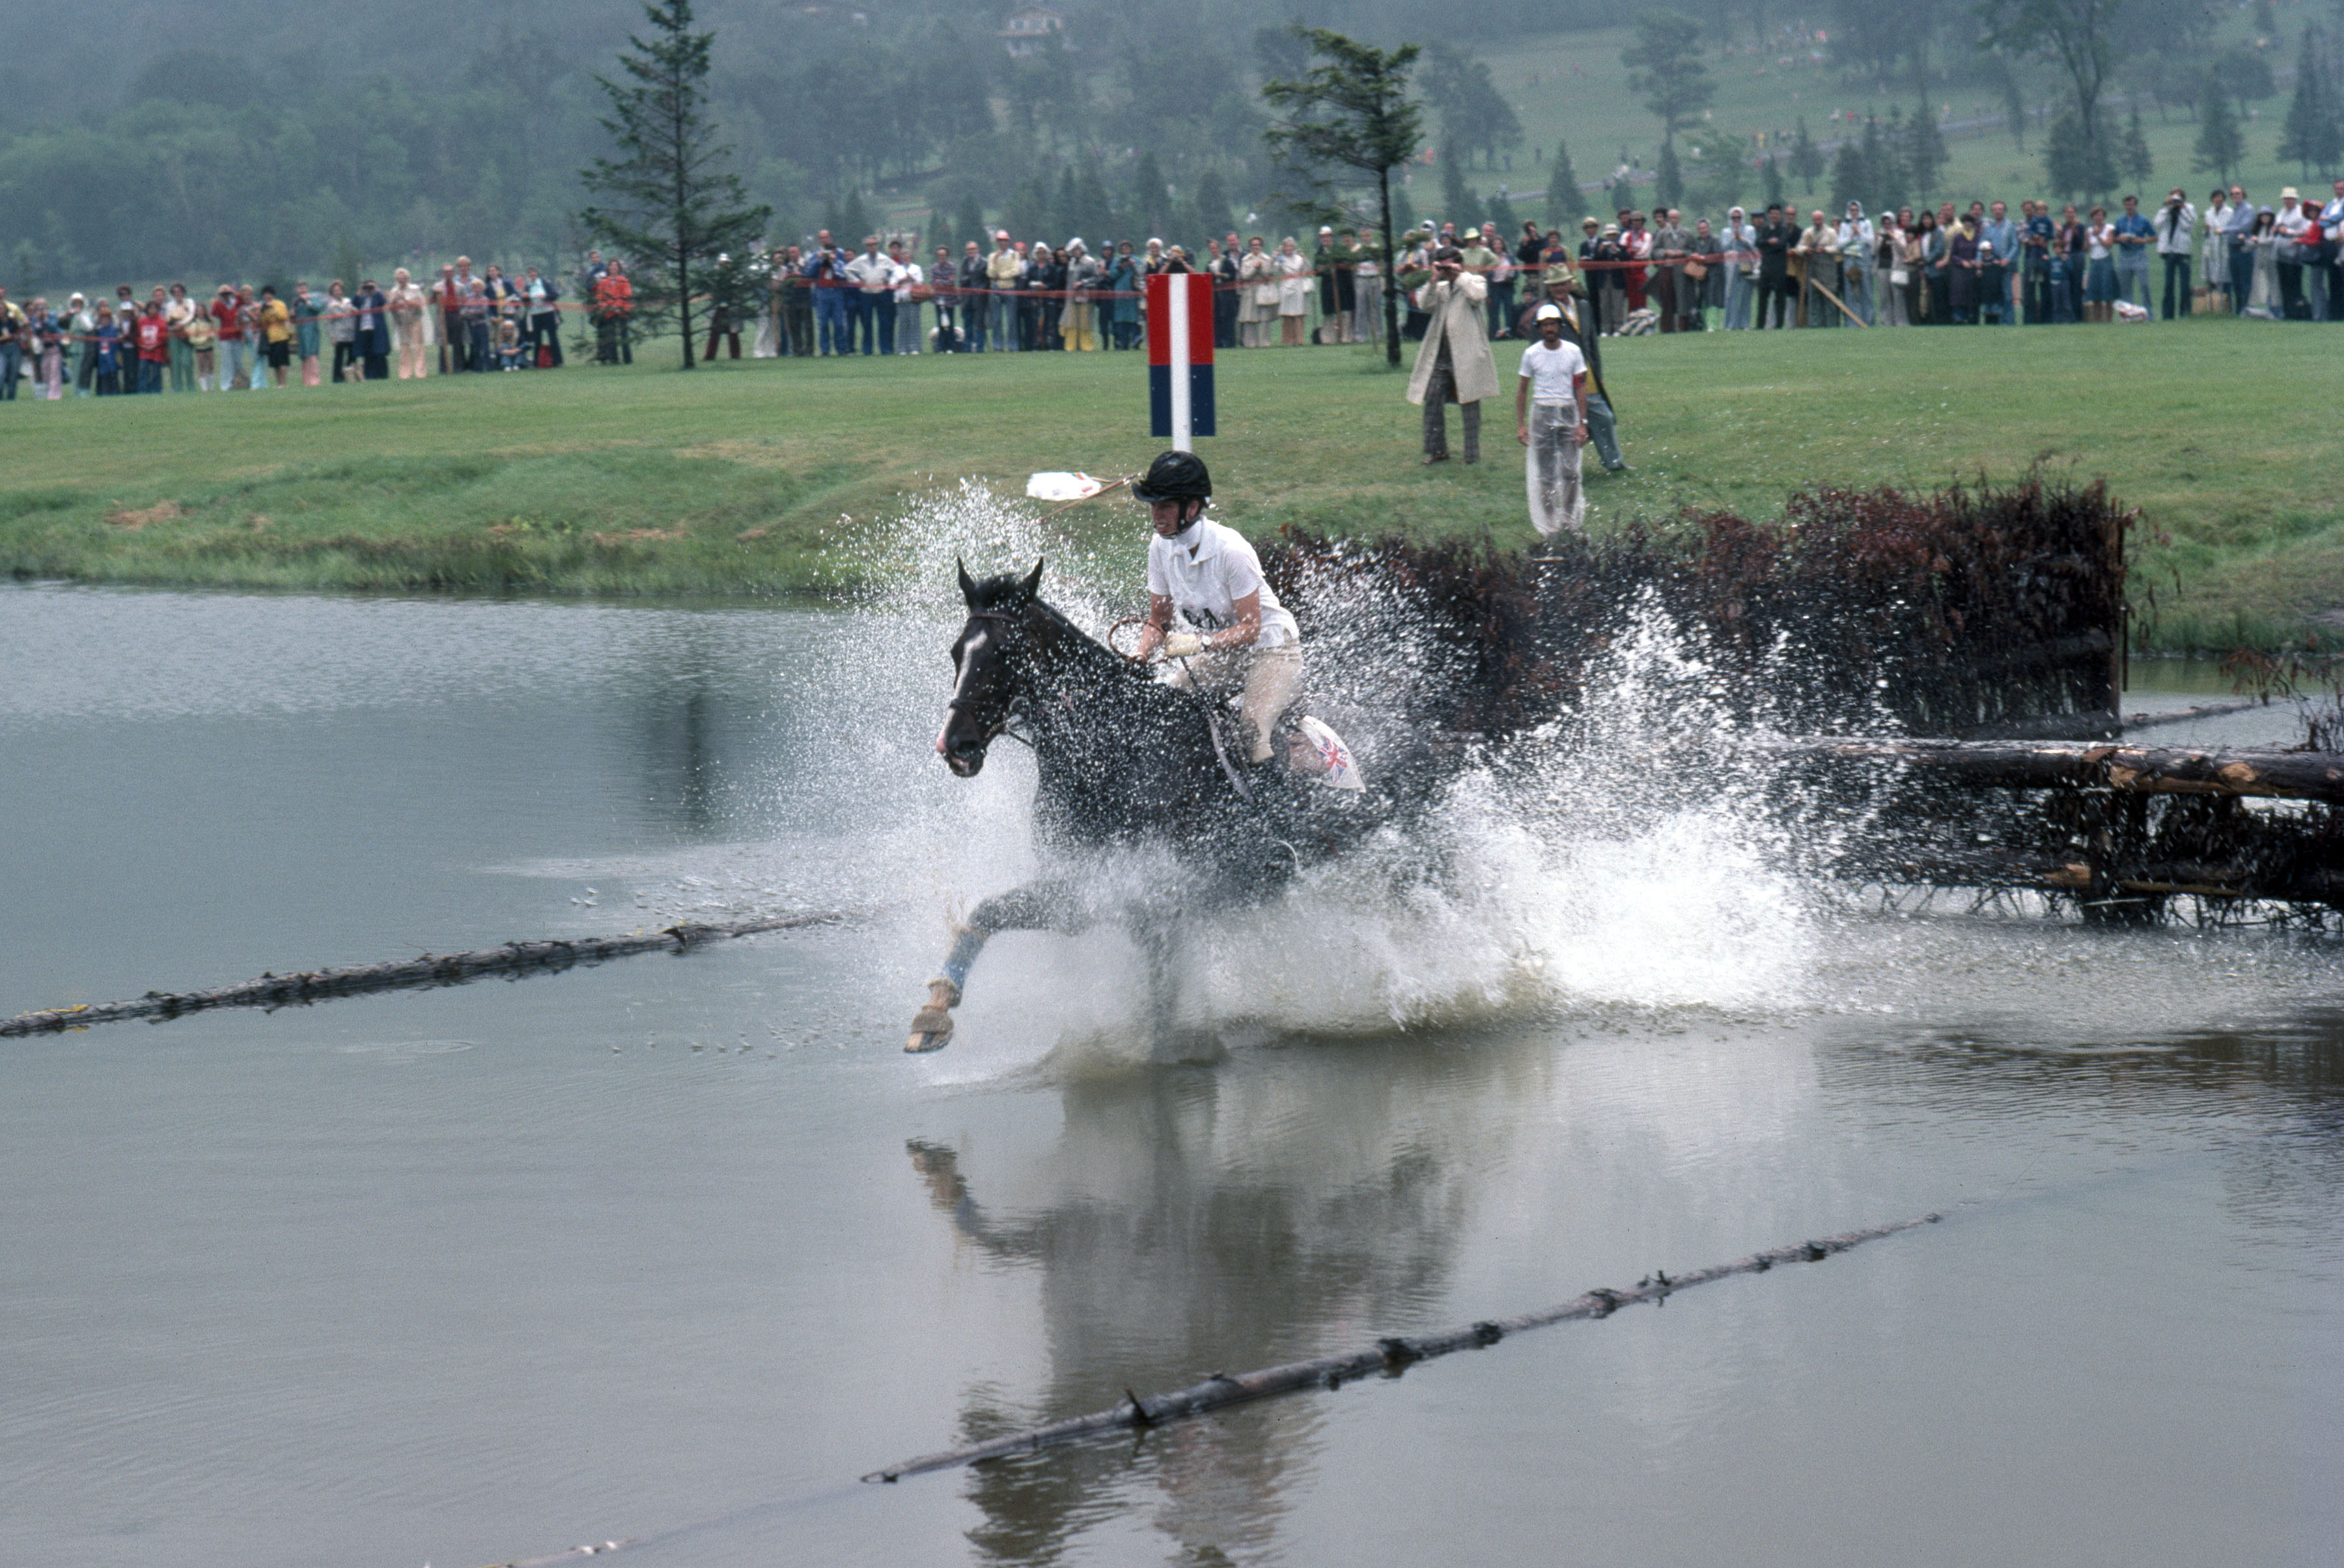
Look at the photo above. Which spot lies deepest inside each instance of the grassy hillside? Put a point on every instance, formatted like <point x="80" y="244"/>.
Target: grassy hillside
<point x="776" y="476"/>
<point x="1571" y="86"/>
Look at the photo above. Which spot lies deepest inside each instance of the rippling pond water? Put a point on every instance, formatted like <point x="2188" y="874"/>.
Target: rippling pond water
<point x="678" y="1248"/>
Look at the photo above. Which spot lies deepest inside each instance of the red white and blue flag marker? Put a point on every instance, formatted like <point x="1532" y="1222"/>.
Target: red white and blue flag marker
<point x="1181" y="357"/>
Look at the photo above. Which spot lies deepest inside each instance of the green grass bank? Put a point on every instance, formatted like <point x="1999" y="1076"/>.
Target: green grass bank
<point x="780" y="476"/>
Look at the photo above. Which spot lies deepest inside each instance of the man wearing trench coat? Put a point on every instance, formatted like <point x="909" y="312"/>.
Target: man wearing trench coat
<point x="1453" y="363"/>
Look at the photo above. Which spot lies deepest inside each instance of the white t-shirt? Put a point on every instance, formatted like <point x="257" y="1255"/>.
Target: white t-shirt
<point x="1206" y="571"/>
<point x="1551" y="372"/>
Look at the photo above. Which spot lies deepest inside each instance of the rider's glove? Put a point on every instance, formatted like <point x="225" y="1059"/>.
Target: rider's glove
<point x="1182" y="644"/>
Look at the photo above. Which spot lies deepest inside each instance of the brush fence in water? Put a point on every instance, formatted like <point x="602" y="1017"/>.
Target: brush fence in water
<point x="1980" y="613"/>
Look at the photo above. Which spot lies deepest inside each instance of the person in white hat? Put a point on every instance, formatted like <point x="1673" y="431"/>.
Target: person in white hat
<point x="1550" y="421"/>
<point x="2290" y="225"/>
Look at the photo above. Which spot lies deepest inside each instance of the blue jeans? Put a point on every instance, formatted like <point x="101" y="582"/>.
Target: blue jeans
<point x="1007" y="309"/>
<point x="883" y="311"/>
<point x="858" y="320"/>
<point x="150" y="375"/>
<point x="12" y="366"/>
<point x="2242" y="278"/>
<point x="830" y="321"/>
<point x="2132" y="267"/>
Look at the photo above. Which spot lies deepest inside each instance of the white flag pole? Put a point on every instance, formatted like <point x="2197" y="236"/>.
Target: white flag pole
<point x="1183" y="438"/>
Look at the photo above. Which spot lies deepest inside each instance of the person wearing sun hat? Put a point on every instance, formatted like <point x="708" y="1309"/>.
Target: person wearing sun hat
<point x="2290" y="225"/>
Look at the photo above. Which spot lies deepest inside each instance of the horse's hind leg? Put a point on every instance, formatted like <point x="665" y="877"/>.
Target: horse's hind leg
<point x="1043" y="906"/>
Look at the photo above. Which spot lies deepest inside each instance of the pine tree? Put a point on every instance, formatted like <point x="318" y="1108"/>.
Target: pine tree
<point x="2133" y="156"/>
<point x="2076" y="164"/>
<point x="854" y="222"/>
<point x="1150" y="204"/>
<point x="1668" y="180"/>
<point x="1923" y="153"/>
<point x="1212" y="206"/>
<point x="1806" y="158"/>
<point x="1770" y="180"/>
<point x="671" y="204"/>
<point x="1094" y="214"/>
<point x="968" y="224"/>
<point x="1886" y="171"/>
<point x="939" y="232"/>
<point x="1459" y="204"/>
<point x="2221" y="145"/>
<point x="1565" y="203"/>
<point x="2313" y="133"/>
<point x="1501" y="213"/>
<point x="1852" y="177"/>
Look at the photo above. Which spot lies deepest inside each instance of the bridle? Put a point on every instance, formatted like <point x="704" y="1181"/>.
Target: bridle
<point x="1008" y="712"/>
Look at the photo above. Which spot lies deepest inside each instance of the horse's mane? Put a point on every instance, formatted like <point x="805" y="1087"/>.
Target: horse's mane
<point x="1006" y="595"/>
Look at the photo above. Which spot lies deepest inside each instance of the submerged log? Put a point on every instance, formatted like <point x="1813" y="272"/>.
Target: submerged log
<point x="2143" y="770"/>
<point x="2076" y="874"/>
<point x="403" y="974"/>
<point x="1389" y="1355"/>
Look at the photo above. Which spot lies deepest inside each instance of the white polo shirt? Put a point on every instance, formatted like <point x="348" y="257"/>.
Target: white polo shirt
<point x="1205" y="571"/>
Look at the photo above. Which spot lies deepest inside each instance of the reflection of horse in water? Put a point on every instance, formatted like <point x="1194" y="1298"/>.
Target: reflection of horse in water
<point x="1124" y="762"/>
<point x="1183" y="1221"/>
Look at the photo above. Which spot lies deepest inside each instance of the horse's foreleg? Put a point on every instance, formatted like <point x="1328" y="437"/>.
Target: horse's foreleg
<point x="1159" y="944"/>
<point x="1044" y="906"/>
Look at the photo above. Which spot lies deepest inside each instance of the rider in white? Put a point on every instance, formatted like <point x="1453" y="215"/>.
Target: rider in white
<point x="1243" y="639"/>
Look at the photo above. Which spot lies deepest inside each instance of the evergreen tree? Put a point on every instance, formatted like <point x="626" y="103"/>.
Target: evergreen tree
<point x="938" y="232"/>
<point x="1623" y="194"/>
<point x="2132" y="157"/>
<point x="1851" y="177"/>
<point x="1668" y="180"/>
<point x="1065" y="212"/>
<point x="1150" y="207"/>
<point x="1458" y="205"/>
<point x="1212" y="206"/>
<point x="1094" y="214"/>
<point x="1923" y="153"/>
<point x="968" y="224"/>
<point x="2312" y="137"/>
<point x="1028" y="215"/>
<point x="2221" y="145"/>
<point x="1565" y="203"/>
<point x="1770" y="186"/>
<point x="1806" y="158"/>
<point x="2076" y="163"/>
<point x="1351" y="113"/>
<point x="1664" y="69"/>
<point x="671" y="203"/>
<point x="1501" y="213"/>
<point x="852" y="222"/>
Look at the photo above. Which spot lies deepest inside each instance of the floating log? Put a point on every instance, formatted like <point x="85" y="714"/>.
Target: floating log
<point x="2075" y="874"/>
<point x="2186" y="715"/>
<point x="404" y="974"/>
<point x="2141" y="770"/>
<point x="1391" y="1355"/>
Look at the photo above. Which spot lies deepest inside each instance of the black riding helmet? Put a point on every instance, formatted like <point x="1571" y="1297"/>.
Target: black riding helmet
<point x="1174" y="476"/>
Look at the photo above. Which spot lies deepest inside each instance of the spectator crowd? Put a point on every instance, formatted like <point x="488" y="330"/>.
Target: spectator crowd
<point x="1637" y="273"/>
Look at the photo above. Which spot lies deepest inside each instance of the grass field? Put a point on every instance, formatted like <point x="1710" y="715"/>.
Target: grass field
<point x="781" y="476"/>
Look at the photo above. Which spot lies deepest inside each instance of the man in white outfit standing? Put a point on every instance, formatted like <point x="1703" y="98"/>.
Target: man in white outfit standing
<point x="1550" y="421"/>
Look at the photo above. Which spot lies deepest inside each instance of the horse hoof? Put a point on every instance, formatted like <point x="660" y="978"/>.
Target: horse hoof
<point x="932" y="1030"/>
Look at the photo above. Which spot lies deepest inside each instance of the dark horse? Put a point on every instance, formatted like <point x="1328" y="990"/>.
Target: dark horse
<point x="1125" y="762"/>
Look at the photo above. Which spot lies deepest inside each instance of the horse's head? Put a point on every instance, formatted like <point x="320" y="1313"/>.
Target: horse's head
<point x="991" y="671"/>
